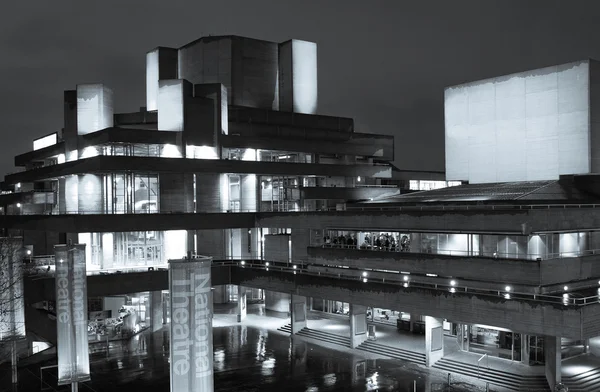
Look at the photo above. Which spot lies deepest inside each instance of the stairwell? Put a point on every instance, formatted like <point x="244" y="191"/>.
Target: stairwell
<point x="495" y="377"/>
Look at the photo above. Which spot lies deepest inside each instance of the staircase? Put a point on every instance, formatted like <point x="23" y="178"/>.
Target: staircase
<point x="393" y="352"/>
<point x="500" y="378"/>
<point x="325" y="337"/>
<point x="588" y="381"/>
<point x="368" y="346"/>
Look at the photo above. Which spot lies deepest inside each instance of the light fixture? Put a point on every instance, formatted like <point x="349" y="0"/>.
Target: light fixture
<point x="365" y="274"/>
<point x="566" y="296"/>
<point x="358" y="179"/>
<point x="453" y="283"/>
<point x="295" y="266"/>
<point x="18" y="185"/>
<point x="508" y="288"/>
<point x="405" y="278"/>
<point x="18" y="205"/>
<point x="453" y="290"/>
<point x="267" y="263"/>
<point x="60" y="260"/>
<point x="405" y="284"/>
<point x="243" y="262"/>
<point x="267" y="269"/>
<point x="364" y="280"/>
<point x="566" y="288"/>
<point x="28" y="252"/>
<point x="507" y="296"/>
<point x="432" y="275"/>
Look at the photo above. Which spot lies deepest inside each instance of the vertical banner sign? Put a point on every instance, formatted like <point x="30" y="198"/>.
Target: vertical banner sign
<point x="12" y="305"/>
<point x="71" y="314"/>
<point x="191" y="325"/>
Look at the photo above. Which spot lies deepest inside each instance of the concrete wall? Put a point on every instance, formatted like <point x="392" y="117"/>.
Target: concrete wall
<point x="595" y="115"/>
<point x="434" y="340"/>
<point x="211" y="243"/>
<point x="300" y="243"/>
<point x="161" y="63"/>
<point x="94" y="108"/>
<point x="208" y="193"/>
<point x="552" y="357"/>
<point x="277" y="302"/>
<point x="176" y="192"/>
<point x="503" y="271"/>
<point x="277" y="247"/>
<point x="527" y="126"/>
<point x="298" y="87"/>
<point x="91" y="194"/>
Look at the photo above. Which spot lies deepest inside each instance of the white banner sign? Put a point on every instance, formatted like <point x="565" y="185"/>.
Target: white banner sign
<point x="191" y="325"/>
<point x="71" y="314"/>
<point x="12" y="305"/>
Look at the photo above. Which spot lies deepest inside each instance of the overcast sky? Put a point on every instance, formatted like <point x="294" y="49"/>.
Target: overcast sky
<point x="385" y="63"/>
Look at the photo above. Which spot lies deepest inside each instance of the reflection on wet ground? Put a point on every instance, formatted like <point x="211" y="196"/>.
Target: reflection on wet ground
<point x="247" y="358"/>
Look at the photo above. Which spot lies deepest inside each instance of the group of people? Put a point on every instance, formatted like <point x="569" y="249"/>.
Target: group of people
<point x="383" y="241"/>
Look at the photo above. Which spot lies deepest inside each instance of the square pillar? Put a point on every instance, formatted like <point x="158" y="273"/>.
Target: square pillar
<point x="358" y="325"/>
<point x="434" y="340"/>
<point x="298" y="312"/>
<point x="525" y="349"/>
<point x="156" y="310"/>
<point x="242" y="308"/>
<point x="553" y="360"/>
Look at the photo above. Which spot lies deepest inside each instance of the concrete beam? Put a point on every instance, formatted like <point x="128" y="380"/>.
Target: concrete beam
<point x="520" y="316"/>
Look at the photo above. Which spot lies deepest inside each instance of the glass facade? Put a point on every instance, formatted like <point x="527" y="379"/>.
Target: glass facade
<point x="532" y="247"/>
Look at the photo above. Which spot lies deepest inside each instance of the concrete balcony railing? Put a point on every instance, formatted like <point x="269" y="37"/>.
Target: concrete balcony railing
<point x="537" y="272"/>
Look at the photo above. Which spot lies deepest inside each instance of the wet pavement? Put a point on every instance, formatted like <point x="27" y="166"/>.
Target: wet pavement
<point x="251" y="356"/>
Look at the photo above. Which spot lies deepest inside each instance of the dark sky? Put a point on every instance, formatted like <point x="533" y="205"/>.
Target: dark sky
<point x="385" y="63"/>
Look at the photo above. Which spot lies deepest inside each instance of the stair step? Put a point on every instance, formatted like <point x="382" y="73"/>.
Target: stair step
<point x="378" y="346"/>
<point x="408" y="358"/>
<point x="497" y="377"/>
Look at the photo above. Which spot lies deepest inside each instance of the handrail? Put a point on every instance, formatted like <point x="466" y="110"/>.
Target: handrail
<point x="466" y="253"/>
<point x="395" y="279"/>
<point x="479" y="360"/>
<point x="353" y="208"/>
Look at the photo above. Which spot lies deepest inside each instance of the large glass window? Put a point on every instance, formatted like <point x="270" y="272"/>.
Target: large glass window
<point x="145" y="196"/>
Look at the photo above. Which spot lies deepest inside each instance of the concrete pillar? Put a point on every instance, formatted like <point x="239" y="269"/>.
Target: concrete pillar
<point x="156" y="310"/>
<point x="298" y="311"/>
<point x="434" y="340"/>
<point x="242" y="304"/>
<point x="552" y="358"/>
<point x="277" y="302"/>
<point x="220" y="294"/>
<point x="358" y="325"/>
<point x="524" y="349"/>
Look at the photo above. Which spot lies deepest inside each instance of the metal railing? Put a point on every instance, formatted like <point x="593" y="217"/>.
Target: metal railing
<point x="354" y="208"/>
<point x="465" y="253"/>
<point x="479" y="362"/>
<point x="390" y="278"/>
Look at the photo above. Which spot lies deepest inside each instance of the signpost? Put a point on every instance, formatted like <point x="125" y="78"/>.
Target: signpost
<point x="71" y="315"/>
<point x="191" y="325"/>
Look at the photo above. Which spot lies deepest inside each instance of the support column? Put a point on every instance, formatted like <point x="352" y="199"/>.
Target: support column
<point x="298" y="311"/>
<point x="220" y="294"/>
<point x="358" y="325"/>
<point x="156" y="310"/>
<point x="242" y="308"/>
<point x="553" y="360"/>
<point x="434" y="340"/>
<point x="525" y="349"/>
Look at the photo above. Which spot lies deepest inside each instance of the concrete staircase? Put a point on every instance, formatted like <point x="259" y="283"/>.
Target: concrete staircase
<point x="368" y="346"/>
<point x="393" y="352"/>
<point x="325" y="337"/>
<point x="499" y="378"/>
<point x="588" y="381"/>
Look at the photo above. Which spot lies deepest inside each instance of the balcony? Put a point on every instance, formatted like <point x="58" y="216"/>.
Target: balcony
<point x="555" y="270"/>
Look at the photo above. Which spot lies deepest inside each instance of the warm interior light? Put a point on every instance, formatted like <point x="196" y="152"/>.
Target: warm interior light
<point x="89" y="152"/>
<point x="60" y="158"/>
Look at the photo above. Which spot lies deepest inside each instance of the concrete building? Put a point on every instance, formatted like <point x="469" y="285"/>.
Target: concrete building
<point x="229" y="159"/>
